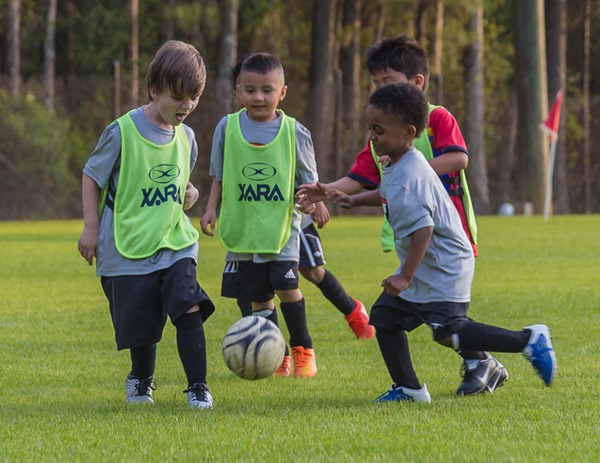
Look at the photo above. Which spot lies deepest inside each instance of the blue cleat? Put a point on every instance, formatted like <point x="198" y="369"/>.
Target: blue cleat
<point x="398" y="394"/>
<point x="540" y="353"/>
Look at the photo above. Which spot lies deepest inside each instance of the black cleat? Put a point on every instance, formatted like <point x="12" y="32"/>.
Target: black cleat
<point x="481" y="376"/>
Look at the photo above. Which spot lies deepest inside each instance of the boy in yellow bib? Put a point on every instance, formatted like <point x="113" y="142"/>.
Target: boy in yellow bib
<point x="259" y="156"/>
<point x="135" y="190"/>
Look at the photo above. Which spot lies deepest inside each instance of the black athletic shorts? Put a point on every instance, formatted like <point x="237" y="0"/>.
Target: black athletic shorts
<point x="139" y="304"/>
<point x="444" y="318"/>
<point x="311" y="251"/>
<point x="230" y="284"/>
<point x="258" y="282"/>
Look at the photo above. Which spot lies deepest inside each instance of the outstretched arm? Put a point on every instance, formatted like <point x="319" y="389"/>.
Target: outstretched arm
<point x="452" y="161"/>
<point x="395" y="284"/>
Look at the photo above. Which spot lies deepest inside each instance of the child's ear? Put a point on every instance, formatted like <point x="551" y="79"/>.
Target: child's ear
<point x="283" y="92"/>
<point x="419" y="80"/>
<point x="411" y="131"/>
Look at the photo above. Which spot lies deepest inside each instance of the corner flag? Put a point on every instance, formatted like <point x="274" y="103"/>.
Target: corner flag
<point x="550" y="127"/>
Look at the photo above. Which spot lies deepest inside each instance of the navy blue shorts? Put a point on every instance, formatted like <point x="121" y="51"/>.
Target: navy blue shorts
<point x="311" y="251"/>
<point x="258" y="282"/>
<point x="139" y="304"/>
<point x="444" y="318"/>
<point x="230" y="284"/>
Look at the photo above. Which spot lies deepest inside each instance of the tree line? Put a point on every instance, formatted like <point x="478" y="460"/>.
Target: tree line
<point x="69" y="67"/>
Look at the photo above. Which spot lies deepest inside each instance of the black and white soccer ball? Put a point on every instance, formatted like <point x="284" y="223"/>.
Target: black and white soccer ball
<point x="253" y="348"/>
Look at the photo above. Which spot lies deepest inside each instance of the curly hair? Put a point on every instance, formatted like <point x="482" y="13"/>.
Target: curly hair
<point x="405" y="101"/>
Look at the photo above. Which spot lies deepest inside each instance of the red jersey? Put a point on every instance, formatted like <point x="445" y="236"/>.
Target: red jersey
<point x="444" y="136"/>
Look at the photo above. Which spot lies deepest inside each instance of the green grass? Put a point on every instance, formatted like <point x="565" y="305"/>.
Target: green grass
<point x="61" y="378"/>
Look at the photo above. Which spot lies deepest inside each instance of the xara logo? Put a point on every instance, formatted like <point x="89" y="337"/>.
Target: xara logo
<point x="260" y="192"/>
<point x="162" y="173"/>
<point x="258" y="171"/>
<point x="157" y="196"/>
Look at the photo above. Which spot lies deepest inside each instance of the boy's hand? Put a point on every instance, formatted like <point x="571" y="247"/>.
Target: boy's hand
<point x="321" y="215"/>
<point x="395" y="284"/>
<point x="208" y="222"/>
<point x="312" y="192"/>
<point x="87" y="244"/>
<point x="345" y="201"/>
<point x="304" y="205"/>
<point x="191" y="196"/>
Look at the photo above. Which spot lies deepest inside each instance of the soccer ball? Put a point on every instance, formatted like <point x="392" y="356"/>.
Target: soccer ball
<point x="253" y="348"/>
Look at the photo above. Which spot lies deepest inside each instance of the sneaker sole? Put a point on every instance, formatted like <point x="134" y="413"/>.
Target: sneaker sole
<point x="139" y="400"/>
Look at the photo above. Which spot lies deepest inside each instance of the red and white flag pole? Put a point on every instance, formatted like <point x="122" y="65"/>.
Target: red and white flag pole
<point x="550" y="126"/>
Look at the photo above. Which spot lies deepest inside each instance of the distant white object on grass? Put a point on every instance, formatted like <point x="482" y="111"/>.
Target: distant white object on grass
<point x="506" y="209"/>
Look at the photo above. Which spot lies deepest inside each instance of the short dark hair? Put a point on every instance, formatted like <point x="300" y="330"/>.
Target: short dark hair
<point x="235" y="71"/>
<point x="262" y="63"/>
<point x="405" y="101"/>
<point x="402" y="54"/>
<point x="178" y="67"/>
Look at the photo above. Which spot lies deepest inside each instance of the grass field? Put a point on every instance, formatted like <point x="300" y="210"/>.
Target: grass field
<point x="62" y="380"/>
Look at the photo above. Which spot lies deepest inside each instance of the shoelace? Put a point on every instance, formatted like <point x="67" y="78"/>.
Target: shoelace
<point x="144" y="384"/>
<point x="199" y="390"/>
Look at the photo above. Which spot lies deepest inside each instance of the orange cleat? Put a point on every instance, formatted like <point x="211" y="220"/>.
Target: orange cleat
<point x="358" y="320"/>
<point x="285" y="369"/>
<point x="305" y="365"/>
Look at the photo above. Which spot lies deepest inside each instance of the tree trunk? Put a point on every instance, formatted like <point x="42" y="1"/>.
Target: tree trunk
<point x="319" y="116"/>
<point x="421" y="22"/>
<point x="50" y="57"/>
<point x="436" y="81"/>
<point x="13" y="45"/>
<point x="533" y="101"/>
<point x="474" y="126"/>
<point x="350" y="91"/>
<point x="135" y="53"/>
<point x="227" y="56"/>
<point x="587" y="165"/>
<point x="556" y="55"/>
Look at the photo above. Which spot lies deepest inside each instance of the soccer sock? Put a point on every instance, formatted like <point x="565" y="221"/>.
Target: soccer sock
<point x="271" y="314"/>
<point x="245" y="306"/>
<point x="477" y="336"/>
<point x="143" y="361"/>
<point x="472" y="354"/>
<point x="396" y="355"/>
<point x="294" y="314"/>
<point x="333" y="290"/>
<point x="191" y="345"/>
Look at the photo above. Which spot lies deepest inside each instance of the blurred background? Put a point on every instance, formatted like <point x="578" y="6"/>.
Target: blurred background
<point x="70" y="67"/>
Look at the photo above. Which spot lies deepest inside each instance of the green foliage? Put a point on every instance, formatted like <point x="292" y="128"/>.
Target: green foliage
<point x="39" y="152"/>
<point x="62" y="394"/>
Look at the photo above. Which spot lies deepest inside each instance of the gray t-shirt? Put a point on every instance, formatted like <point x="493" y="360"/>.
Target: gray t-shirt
<point x="103" y="167"/>
<point x="261" y="133"/>
<point x="415" y="198"/>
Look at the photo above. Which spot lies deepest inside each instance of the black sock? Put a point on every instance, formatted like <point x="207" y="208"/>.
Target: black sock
<point x="191" y="346"/>
<point x="143" y="361"/>
<point x="272" y="316"/>
<point x="472" y="354"/>
<point x="333" y="290"/>
<point x="477" y="336"/>
<point x="294" y="314"/>
<point x="396" y="355"/>
<point x="245" y="306"/>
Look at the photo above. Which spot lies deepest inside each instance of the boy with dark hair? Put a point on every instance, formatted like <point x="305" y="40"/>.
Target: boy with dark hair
<point x="433" y="283"/>
<point x="135" y="190"/>
<point x="311" y="267"/>
<point x="397" y="60"/>
<point x="259" y="155"/>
